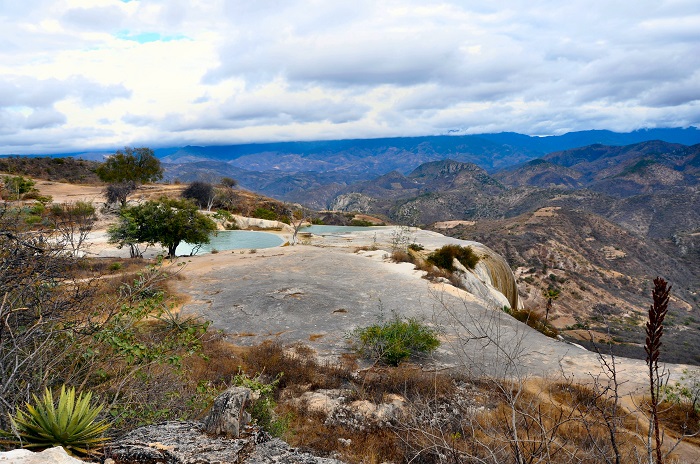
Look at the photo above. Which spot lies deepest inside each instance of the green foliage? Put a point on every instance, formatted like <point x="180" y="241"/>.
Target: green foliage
<point x="165" y="221"/>
<point x="71" y="423"/>
<point x="262" y="408"/>
<point x="685" y="391"/>
<point x="416" y="247"/>
<point x="317" y="221"/>
<point x="444" y="257"/>
<point x="361" y="223"/>
<point x="18" y="186"/>
<point x="394" y="341"/>
<point x="264" y="213"/>
<point x="137" y="165"/>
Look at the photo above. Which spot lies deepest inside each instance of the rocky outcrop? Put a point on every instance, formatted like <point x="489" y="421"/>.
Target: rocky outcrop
<point x="188" y="443"/>
<point x="228" y="416"/>
<point x="222" y="437"/>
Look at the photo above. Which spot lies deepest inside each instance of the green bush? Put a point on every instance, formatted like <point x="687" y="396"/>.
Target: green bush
<point x="264" y="213"/>
<point x="416" y="247"/>
<point x="395" y="341"/>
<point x="444" y="257"/>
<point x="361" y="223"/>
<point x="262" y="409"/>
<point x="70" y="424"/>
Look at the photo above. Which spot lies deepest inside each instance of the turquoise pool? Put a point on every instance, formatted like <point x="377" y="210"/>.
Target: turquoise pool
<point x="234" y="240"/>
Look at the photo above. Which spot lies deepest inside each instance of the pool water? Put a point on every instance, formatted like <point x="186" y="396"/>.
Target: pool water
<point x="233" y="240"/>
<point x="320" y="230"/>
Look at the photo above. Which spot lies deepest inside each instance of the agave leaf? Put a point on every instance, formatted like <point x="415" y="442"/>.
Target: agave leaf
<point x="68" y="422"/>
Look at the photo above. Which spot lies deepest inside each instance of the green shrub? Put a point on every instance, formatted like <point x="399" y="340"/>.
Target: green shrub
<point x="115" y="266"/>
<point x="70" y="424"/>
<point x="444" y="257"/>
<point x="264" y="213"/>
<point x="262" y="409"/>
<point x="416" y="247"/>
<point x="394" y="341"/>
<point x="361" y="223"/>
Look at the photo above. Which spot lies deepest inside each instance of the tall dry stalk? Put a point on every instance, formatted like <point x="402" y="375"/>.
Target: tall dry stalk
<point x="655" y="329"/>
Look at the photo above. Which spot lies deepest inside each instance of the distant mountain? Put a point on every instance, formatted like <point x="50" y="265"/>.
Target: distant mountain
<point x="310" y="172"/>
<point x="644" y="167"/>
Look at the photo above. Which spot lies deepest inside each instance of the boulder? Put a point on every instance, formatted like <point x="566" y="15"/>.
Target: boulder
<point x="227" y="416"/>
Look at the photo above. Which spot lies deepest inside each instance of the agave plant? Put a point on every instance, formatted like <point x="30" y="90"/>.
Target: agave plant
<point x="70" y="424"/>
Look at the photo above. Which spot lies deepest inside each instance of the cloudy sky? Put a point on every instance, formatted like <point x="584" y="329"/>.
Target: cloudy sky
<point x="95" y="74"/>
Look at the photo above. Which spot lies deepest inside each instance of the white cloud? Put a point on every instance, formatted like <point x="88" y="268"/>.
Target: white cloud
<point x="100" y="73"/>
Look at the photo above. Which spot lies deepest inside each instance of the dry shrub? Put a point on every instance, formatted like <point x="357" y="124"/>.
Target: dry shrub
<point x="681" y="418"/>
<point x="401" y="256"/>
<point x="408" y="381"/>
<point x="297" y="366"/>
<point x="220" y="363"/>
<point x="433" y="272"/>
<point x="534" y="320"/>
<point x="311" y="434"/>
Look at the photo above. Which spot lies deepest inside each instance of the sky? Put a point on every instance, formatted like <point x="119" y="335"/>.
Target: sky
<point x="80" y="75"/>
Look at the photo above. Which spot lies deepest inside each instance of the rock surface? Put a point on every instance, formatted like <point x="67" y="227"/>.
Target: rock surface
<point x="218" y="440"/>
<point x="55" y="455"/>
<point x="187" y="443"/>
<point x="227" y="416"/>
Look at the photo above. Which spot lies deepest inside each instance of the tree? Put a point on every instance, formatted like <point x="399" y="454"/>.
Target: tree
<point x="119" y="192"/>
<point x="72" y="223"/>
<point x="18" y="185"/>
<point x="225" y="193"/>
<point x="202" y="193"/>
<point x="550" y="295"/>
<point x="166" y="221"/>
<point x="128" y="168"/>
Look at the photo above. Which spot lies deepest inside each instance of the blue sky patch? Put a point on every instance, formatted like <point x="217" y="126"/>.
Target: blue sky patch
<point x="146" y="37"/>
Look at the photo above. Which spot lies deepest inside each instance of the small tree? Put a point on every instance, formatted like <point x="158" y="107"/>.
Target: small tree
<point x="72" y="223"/>
<point x="228" y="182"/>
<point x="225" y="193"/>
<point x="127" y="169"/>
<point x="119" y="192"/>
<point x="18" y="185"/>
<point x="550" y="295"/>
<point x="166" y="221"/>
<point x="202" y="193"/>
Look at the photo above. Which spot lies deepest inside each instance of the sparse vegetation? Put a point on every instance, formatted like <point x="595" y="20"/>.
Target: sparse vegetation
<point x="534" y="320"/>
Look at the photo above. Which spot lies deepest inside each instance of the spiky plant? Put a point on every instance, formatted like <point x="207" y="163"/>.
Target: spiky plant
<point x="70" y="423"/>
<point x="655" y="329"/>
